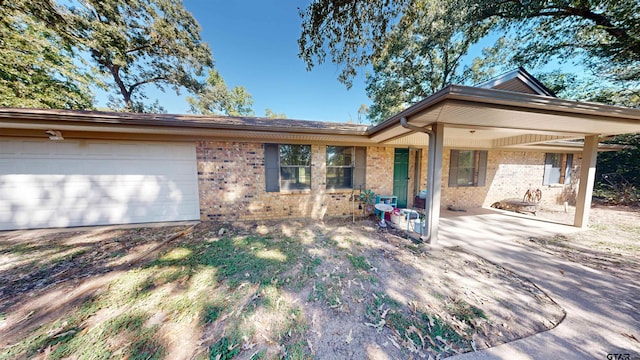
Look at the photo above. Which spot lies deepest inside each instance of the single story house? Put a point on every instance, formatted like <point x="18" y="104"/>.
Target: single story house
<point x="468" y="146"/>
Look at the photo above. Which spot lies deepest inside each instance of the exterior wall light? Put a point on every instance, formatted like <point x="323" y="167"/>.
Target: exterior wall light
<point x="54" y="135"/>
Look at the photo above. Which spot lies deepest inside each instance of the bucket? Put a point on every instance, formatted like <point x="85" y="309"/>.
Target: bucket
<point x="417" y="226"/>
<point x="406" y="217"/>
<point x="395" y="218"/>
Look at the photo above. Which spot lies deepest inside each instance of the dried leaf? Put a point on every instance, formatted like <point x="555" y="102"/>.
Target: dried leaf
<point x="378" y="326"/>
<point x="384" y="313"/>
<point x="394" y="342"/>
<point x="248" y="346"/>
<point x="433" y="343"/>
<point x="414" y="330"/>
<point x="72" y="331"/>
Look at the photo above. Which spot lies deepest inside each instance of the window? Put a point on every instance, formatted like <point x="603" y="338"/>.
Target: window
<point x="287" y="167"/>
<point x="467" y="168"/>
<point x="295" y="167"/>
<point x="340" y="166"/>
<point x="557" y="168"/>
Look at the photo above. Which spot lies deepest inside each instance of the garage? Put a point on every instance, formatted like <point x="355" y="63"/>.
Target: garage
<point x="46" y="183"/>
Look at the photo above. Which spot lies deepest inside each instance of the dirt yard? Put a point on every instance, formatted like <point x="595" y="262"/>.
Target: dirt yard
<point x="296" y="290"/>
<point x="611" y="244"/>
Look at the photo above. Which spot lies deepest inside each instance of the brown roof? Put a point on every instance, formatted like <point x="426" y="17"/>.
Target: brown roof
<point x="183" y="121"/>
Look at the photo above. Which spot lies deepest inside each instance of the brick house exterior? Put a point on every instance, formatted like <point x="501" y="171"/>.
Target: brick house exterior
<point x="231" y="182"/>
<point x="486" y="143"/>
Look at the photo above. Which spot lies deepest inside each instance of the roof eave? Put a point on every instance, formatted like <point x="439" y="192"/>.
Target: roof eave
<point x="508" y="98"/>
<point x="424" y="104"/>
<point x="171" y="122"/>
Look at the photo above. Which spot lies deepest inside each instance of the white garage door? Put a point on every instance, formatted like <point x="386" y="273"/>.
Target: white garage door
<point x="47" y="183"/>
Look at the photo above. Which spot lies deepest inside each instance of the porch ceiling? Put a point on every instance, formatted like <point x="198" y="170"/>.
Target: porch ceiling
<point x="488" y="118"/>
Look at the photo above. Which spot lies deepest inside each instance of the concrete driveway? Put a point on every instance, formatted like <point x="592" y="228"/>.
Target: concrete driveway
<point x="602" y="310"/>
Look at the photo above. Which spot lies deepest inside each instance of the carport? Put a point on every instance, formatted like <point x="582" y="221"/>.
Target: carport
<point x="472" y="117"/>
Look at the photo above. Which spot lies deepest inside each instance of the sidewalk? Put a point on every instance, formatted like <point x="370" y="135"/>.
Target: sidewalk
<point x="603" y="311"/>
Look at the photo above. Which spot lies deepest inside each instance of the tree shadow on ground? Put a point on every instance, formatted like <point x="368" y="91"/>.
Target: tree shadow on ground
<point x="290" y="289"/>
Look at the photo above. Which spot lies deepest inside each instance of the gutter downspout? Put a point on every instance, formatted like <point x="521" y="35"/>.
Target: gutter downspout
<point x="430" y="172"/>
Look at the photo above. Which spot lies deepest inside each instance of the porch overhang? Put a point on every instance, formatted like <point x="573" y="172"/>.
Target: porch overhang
<point x="477" y="118"/>
<point x="497" y="119"/>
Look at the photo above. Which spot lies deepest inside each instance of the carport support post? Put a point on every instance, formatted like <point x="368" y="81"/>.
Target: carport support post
<point x="587" y="178"/>
<point x="434" y="181"/>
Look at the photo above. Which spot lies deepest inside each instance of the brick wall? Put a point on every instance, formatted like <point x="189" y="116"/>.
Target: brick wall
<point x="380" y="170"/>
<point x="509" y="175"/>
<point x="231" y="180"/>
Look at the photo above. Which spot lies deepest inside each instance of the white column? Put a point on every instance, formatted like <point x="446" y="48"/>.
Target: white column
<point x="587" y="179"/>
<point x="434" y="181"/>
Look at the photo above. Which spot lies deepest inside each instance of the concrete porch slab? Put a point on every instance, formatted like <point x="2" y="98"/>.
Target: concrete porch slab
<point x="601" y="308"/>
<point x="483" y="224"/>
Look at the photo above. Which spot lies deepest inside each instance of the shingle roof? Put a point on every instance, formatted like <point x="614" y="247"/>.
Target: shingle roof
<point x="173" y="120"/>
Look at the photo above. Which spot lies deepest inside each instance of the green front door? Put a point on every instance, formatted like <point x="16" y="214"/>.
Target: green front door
<point x="401" y="176"/>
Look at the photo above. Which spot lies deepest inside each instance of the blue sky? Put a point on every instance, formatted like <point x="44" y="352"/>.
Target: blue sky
<point x="254" y="44"/>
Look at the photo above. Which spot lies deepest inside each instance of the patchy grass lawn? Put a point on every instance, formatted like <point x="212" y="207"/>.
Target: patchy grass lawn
<point x="294" y="290"/>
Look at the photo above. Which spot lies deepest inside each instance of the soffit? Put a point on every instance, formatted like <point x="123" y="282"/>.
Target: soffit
<point x="473" y="117"/>
<point x="80" y="124"/>
<point x="489" y="118"/>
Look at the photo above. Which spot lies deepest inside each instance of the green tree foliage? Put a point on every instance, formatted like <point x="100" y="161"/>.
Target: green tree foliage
<point x="493" y="60"/>
<point x="36" y="68"/>
<point x="135" y="43"/>
<point x="273" y="115"/>
<point x="422" y="55"/>
<point x="363" y="113"/>
<point x="129" y="44"/>
<point x="603" y="35"/>
<point x="353" y="33"/>
<point x="625" y="162"/>
<point x="216" y="98"/>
